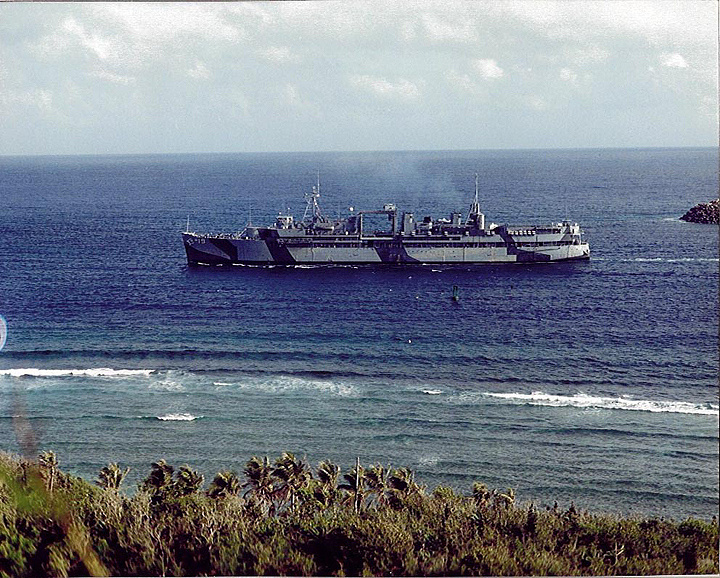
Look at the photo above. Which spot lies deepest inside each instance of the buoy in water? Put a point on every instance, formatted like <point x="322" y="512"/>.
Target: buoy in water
<point x="455" y="294"/>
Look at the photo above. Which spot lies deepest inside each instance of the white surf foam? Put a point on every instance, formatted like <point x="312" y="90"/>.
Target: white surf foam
<point x="428" y="461"/>
<point x="178" y="417"/>
<point x="283" y="384"/>
<point x="171" y="381"/>
<point x="432" y="391"/>
<point x="91" y="372"/>
<point x="672" y="260"/>
<point x="661" y="259"/>
<point x="3" y="332"/>
<point x="584" y="401"/>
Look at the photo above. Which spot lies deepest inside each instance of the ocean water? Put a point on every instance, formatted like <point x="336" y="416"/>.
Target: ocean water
<point x="594" y="382"/>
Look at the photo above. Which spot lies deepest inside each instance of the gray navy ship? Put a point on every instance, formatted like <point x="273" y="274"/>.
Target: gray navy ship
<point x="320" y="240"/>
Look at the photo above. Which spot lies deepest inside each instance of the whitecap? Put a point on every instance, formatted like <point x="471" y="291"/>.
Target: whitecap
<point x="3" y="332"/>
<point x="623" y="402"/>
<point x="428" y="461"/>
<point x="91" y="372"/>
<point x="167" y="385"/>
<point x="673" y="260"/>
<point x="291" y="383"/>
<point x="178" y="417"/>
<point x="432" y="391"/>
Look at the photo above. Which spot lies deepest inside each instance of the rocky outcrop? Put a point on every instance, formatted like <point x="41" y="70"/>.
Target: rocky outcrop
<point x="704" y="213"/>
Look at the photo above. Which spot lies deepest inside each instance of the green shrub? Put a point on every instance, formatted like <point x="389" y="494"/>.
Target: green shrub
<point x="291" y="522"/>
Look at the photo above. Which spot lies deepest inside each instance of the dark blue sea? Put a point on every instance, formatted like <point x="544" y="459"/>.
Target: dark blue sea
<point x="594" y="382"/>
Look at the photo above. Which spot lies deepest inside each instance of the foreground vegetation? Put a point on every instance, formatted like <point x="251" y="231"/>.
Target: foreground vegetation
<point x="281" y="518"/>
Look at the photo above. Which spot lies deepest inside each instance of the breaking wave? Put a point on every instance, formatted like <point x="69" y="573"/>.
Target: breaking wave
<point x="598" y="402"/>
<point x="289" y="383"/>
<point x="672" y="260"/>
<point x="172" y="380"/>
<point x="93" y="372"/>
<point x="179" y="417"/>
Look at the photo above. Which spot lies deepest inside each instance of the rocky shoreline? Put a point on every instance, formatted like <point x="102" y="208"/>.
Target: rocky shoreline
<point x="707" y="213"/>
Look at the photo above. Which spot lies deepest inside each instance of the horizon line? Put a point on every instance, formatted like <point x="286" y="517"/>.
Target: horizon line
<point x="360" y="151"/>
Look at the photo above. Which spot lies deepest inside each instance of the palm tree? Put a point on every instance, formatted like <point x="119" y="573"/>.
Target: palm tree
<point x="376" y="478"/>
<point x="188" y="481"/>
<point x="481" y="494"/>
<point x="402" y="486"/>
<point x="49" y="469"/>
<point x="402" y="480"/>
<point x="111" y="477"/>
<point x="260" y="483"/>
<point x="354" y="485"/>
<point x="507" y="500"/>
<point x="225" y="484"/>
<point x="160" y="477"/>
<point x="328" y="473"/>
<point x="325" y="489"/>
<point x="293" y="474"/>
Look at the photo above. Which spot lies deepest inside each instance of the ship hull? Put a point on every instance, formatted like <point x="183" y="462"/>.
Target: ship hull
<point x="217" y="250"/>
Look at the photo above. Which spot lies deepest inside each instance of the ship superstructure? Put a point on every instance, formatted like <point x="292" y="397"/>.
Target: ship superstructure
<point x="319" y="240"/>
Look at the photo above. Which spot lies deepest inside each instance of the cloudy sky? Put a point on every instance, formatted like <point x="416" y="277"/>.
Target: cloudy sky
<point x="317" y="76"/>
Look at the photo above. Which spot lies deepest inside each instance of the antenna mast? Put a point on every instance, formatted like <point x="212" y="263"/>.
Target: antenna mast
<point x="475" y="207"/>
<point x="312" y="208"/>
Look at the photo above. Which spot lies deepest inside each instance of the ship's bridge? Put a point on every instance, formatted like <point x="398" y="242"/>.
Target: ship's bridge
<point x="284" y="222"/>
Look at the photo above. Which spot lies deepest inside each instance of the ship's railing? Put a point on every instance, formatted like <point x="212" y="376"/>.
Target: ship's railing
<point x="238" y="235"/>
<point x="534" y="230"/>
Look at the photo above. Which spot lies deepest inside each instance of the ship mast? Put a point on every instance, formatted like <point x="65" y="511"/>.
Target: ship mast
<point x="313" y="208"/>
<point x="475" y="207"/>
